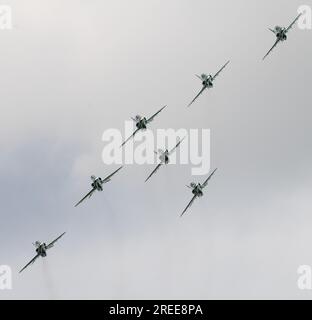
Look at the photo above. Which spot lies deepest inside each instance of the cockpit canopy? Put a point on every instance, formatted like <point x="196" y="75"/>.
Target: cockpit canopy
<point x="278" y="29"/>
<point x="137" y="118"/>
<point x="193" y="184"/>
<point x="37" y="244"/>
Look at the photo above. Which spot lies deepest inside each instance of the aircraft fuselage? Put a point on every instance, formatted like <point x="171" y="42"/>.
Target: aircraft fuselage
<point x="97" y="183"/>
<point x="197" y="190"/>
<point x="281" y="34"/>
<point x="164" y="158"/>
<point x="208" y="82"/>
<point x="142" y="123"/>
<point x="42" y="250"/>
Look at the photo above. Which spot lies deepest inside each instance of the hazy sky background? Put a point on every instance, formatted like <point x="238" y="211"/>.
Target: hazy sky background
<point x="71" y="69"/>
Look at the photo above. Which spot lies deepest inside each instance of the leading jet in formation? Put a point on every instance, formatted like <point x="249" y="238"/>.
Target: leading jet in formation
<point x="207" y="82"/>
<point x="141" y="123"/>
<point x="41" y="249"/>
<point x="281" y="34"/>
<point x="197" y="190"/>
<point x="97" y="185"/>
<point x="163" y="157"/>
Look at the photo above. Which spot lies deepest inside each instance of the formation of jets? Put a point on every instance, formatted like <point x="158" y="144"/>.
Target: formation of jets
<point x="164" y="156"/>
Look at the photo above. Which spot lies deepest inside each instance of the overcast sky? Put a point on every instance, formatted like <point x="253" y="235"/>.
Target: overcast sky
<point x="72" y="69"/>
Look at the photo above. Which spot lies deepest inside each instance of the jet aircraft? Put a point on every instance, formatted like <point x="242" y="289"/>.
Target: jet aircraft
<point x="141" y="123"/>
<point x="207" y="82"/>
<point x="197" y="190"/>
<point x="97" y="184"/>
<point x="281" y="34"/>
<point x="41" y="250"/>
<point x="164" y="157"/>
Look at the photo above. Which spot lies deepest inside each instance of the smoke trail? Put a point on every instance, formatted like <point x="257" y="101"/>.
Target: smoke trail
<point x="48" y="280"/>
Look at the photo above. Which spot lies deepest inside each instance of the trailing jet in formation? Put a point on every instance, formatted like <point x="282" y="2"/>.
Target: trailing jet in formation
<point x="281" y="34"/>
<point x="141" y="123"/>
<point x="197" y="190"/>
<point x="41" y="249"/>
<point x="97" y="185"/>
<point x="207" y="82"/>
<point x="163" y="157"/>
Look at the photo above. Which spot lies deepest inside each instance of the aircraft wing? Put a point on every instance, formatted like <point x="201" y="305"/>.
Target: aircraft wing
<point x="200" y="92"/>
<point x="157" y="167"/>
<point x="206" y="181"/>
<point x="108" y="177"/>
<point x="171" y="151"/>
<point x="274" y="45"/>
<point x="189" y="204"/>
<point x="30" y="262"/>
<point x="153" y="116"/>
<point x="291" y="25"/>
<point x="50" y="245"/>
<point x="133" y="134"/>
<point x="220" y="70"/>
<point x="89" y="194"/>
